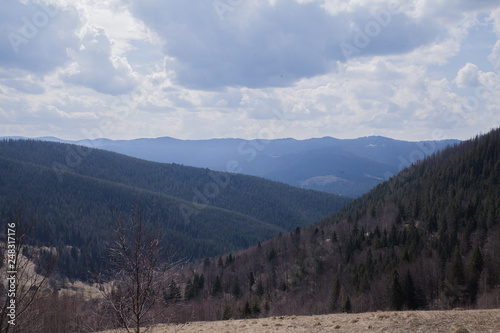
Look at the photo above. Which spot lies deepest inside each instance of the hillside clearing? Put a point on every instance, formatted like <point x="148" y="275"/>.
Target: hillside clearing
<point x="456" y="321"/>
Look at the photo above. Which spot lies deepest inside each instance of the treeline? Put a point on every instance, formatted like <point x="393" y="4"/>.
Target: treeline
<point x="426" y="239"/>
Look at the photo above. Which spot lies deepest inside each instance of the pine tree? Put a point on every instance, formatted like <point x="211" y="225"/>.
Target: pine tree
<point x="476" y="262"/>
<point x="247" y="310"/>
<point x="409" y="292"/>
<point x="217" y="288"/>
<point x="206" y="262"/>
<point x="189" y="290"/>
<point x="272" y="254"/>
<point x="396" y="293"/>
<point x="457" y="271"/>
<point x="260" y="289"/>
<point x="227" y="313"/>
<point x="475" y="269"/>
<point x="347" y="305"/>
<point x="335" y="293"/>
<point x="236" y="290"/>
<point x="172" y="294"/>
<point x="255" y="307"/>
<point x="251" y="280"/>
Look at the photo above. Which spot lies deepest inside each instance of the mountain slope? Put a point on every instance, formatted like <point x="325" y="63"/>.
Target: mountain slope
<point x="427" y="238"/>
<point x="74" y="193"/>
<point x="347" y="167"/>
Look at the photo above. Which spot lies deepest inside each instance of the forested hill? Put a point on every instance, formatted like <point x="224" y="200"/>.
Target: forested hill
<point x="427" y="238"/>
<point x="74" y="191"/>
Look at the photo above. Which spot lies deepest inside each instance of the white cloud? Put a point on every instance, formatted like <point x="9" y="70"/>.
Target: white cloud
<point x="25" y="86"/>
<point x="494" y="57"/>
<point x="468" y="76"/>
<point x="97" y="69"/>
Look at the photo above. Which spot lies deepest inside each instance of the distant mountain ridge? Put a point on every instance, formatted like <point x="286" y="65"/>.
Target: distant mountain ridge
<point x="347" y="167"/>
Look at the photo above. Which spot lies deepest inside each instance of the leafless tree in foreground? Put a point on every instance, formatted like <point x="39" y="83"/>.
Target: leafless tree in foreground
<point x="20" y="260"/>
<point x="138" y="273"/>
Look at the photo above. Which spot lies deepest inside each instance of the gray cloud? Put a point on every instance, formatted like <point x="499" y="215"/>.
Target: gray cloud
<point x="35" y="37"/>
<point x="273" y="45"/>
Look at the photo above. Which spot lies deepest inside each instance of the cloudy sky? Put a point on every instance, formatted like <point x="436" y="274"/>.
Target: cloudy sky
<point x="197" y="69"/>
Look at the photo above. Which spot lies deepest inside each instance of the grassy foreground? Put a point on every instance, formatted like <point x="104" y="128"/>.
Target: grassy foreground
<point x="456" y="321"/>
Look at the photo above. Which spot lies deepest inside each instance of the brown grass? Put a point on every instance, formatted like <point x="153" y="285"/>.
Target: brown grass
<point x="456" y="321"/>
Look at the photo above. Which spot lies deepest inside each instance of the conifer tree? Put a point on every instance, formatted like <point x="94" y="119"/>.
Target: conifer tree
<point x="236" y="290"/>
<point x="251" y="280"/>
<point x="396" y="293"/>
<point x="409" y="292"/>
<point x="475" y="269"/>
<point x="457" y="271"/>
<point x="255" y="308"/>
<point x="247" y="310"/>
<point x="189" y="291"/>
<point x="172" y="294"/>
<point x="217" y="288"/>
<point x="260" y="289"/>
<point x="335" y="293"/>
<point x="347" y="305"/>
<point x="227" y="313"/>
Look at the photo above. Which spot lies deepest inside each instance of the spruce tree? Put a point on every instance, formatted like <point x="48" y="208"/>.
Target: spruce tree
<point x="227" y="313"/>
<point x="457" y="271"/>
<point x="217" y="287"/>
<point x="236" y="290"/>
<point x="347" y="305"/>
<point x="255" y="308"/>
<point x="396" y="293"/>
<point x="247" y="310"/>
<point x="189" y="291"/>
<point x="335" y="293"/>
<point x="251" y="280"/>
<point x="475" y="269"/>
<point x="260" y="289"/>
<point x="409" y="292"/>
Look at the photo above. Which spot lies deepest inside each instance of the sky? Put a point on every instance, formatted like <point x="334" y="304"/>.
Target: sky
<point x="252" y="69"/>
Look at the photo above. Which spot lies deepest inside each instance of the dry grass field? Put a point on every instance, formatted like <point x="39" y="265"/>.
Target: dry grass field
<point x="456" y="321"/>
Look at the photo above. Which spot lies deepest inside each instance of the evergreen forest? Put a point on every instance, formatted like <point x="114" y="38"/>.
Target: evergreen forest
<point x="76" y="192"/>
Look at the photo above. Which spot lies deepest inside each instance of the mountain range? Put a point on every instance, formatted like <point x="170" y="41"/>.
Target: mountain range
<point x="427" y="238"/>
<point x="75" y="192"/>
<point x="347" y="167"/>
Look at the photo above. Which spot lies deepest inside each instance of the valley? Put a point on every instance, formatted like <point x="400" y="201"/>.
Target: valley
<point x="423" y="240"/>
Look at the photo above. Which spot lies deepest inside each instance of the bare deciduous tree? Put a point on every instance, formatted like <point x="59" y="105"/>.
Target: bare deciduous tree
<point x="30" y="270"/>
<point x="138" y="273"/>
